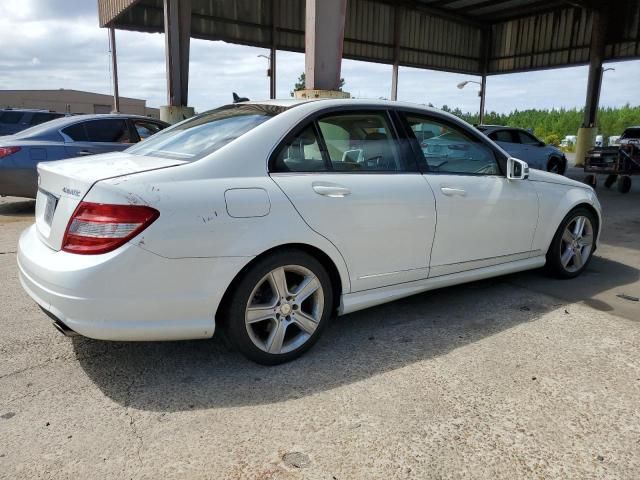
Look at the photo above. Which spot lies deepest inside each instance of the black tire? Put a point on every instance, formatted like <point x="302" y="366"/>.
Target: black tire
<point x="611" y="179"/>
<point x="554" y="264"/>
<point x="556" y="165"/>
<point x="624" y="184"/>
<point x="591" y="180"/>
<point x="237" y="331"/>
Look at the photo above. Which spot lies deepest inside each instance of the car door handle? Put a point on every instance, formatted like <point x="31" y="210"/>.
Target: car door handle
<point x="329" y="190"/>
<point x="84" y="153"/>
<point x="449" y="191"/>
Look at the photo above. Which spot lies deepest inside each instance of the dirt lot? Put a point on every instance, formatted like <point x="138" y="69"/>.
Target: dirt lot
<point x="517" y="377"/>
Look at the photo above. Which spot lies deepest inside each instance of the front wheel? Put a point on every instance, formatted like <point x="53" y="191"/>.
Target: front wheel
<point x="624" y="184"/>
<point x="555" y="165"/>
<point x="572" y="246"/>
<point x="279" y="308"/>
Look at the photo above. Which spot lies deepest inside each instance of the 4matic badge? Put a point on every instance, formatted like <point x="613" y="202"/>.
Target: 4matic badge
<point x="71" y="191"/>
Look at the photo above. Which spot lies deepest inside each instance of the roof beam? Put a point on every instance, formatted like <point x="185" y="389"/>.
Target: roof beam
<point x="438" y="12"/>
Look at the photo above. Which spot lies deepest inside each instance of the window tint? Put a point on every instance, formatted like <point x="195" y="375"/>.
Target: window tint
<point x="631" y="133"/>
<point x="76" y="132"/>
<point x="146" y="129"/>
<point x="501" y="136"/>
<point x="10" y="117"/>
<point x="452" y="150"/>
<point x="360" y="142"/>
<point x="527" y="139"/>
<point x="111" y="131"/>
<point x="38" y="118"/>
<point x="302" y="154"/>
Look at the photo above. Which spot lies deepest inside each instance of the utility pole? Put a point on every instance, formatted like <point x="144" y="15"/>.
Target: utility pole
<point x="114" y="69"/>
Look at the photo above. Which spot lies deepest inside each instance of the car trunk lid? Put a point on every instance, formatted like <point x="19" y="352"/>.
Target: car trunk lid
<point x="62" y="185"/>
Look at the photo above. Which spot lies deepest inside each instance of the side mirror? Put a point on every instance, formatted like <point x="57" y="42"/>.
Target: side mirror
<point x="517" y="169"/>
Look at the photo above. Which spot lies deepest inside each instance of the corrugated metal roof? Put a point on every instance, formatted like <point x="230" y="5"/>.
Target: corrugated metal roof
<point x="435" y="34"/>
<point x="108" y="10"/>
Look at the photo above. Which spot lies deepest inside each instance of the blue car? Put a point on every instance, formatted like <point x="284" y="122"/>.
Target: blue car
<point x="67" y="137"/>
<point x="522" y="145"/>
<point x="14" y="120"/>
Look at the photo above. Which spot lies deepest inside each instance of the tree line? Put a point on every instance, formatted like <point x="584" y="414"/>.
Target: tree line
<point x="553" y="125"/>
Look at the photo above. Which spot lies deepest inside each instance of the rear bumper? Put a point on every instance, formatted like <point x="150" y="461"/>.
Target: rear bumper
<point x="128" y="294"/>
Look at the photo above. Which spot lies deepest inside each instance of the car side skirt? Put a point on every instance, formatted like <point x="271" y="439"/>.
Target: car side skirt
<point x="353" y="302"/>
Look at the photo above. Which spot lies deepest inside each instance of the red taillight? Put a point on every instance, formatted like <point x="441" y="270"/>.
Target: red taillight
<point x="99" y="228"/>
<point x="6" y="151"/>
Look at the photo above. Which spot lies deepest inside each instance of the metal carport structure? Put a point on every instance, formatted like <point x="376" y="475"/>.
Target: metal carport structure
<point x="478" y="37"/>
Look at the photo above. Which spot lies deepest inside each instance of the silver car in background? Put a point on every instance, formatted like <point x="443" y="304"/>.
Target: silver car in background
<point x="67" y="137"/>
<point x="525" y="146"/>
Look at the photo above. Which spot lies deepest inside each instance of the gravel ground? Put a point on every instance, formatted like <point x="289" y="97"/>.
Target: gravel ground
<point x="516" y="377"/>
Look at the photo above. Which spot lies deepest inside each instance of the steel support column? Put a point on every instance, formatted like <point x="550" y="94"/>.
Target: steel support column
<point x="274" y="47"/>
<point x="484" y="67"/>
<point x="114" y="69"/>
<point x="177" y="29"/>
<point x="396" y="53"/>
<point x="324" y="39"/>
<point x="588" y="131"/>
<point x="596" y="58"/>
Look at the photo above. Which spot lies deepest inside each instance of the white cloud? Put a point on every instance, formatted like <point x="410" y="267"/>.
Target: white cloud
<point x="59" y="45"/>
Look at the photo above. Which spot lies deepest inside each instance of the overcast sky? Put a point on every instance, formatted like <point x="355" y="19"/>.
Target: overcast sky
<point x="46" y="44"/>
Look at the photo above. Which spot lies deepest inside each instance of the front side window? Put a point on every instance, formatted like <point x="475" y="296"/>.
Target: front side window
<point x="203" y="134"/>
<point x="452" y="150"/>
<point x="360" y="142"/>
<point x="146" y="129"/>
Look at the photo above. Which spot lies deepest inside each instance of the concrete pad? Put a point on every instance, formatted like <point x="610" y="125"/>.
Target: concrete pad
<point x="515" y="377"/>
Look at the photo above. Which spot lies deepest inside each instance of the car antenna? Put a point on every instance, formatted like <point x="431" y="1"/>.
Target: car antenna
<point x="237" y="98"/>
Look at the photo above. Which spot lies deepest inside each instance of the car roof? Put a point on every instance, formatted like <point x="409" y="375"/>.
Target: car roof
<point x="493" y="128"/>
<point x="322" y="103"/>
<point x="28" y="110"/>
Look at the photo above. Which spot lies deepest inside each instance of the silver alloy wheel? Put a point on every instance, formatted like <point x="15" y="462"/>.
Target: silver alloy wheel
<point x="577" y="244"/>
<point x="284" y="309"/>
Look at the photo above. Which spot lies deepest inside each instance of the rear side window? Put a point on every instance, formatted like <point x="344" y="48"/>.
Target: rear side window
<point x="360" y="142"/>
<point x="76" y="132"/>
<point x="10" y="117"/>
<point x="203" y="134"/>
<point x="108" y="131"/>
<point x="502" y="136"/>
<point x="527" y="139"/>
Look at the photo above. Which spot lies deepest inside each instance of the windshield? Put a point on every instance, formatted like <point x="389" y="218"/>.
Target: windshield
<point x="631" y="133"/>
<point x="203" y="134"/>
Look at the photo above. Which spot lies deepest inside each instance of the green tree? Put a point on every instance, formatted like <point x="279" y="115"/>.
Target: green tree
<point x="302" y="81"/>
<point x="557" y="122"/>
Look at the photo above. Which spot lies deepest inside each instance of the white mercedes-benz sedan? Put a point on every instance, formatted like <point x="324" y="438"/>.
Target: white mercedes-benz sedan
<point x="264" y="219"/>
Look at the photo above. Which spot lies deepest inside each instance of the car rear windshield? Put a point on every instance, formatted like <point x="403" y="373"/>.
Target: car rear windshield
<point x="631" y="133"/>
<point x="203" y="134"/>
